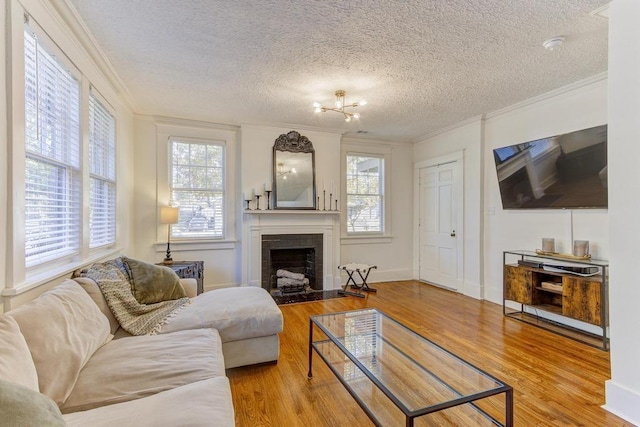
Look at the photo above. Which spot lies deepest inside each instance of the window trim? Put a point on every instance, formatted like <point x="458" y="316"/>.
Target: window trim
<point x="206" y="142"/>
<point x="383" y="151"/>
<point x="21" y="273"/>
<point x="42" y="20"/>
<point x="195" y="131"/>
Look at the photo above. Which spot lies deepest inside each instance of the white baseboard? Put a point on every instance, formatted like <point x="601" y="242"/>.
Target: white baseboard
<point x="622" y="402"/>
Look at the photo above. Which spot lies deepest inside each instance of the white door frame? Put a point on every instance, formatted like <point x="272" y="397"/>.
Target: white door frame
<point x="457" y="156"/>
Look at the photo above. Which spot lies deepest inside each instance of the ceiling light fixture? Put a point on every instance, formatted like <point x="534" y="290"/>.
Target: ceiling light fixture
<point x="553" y="43"/>
<point x="340" y="106"/>
<point x="283" y="172"/>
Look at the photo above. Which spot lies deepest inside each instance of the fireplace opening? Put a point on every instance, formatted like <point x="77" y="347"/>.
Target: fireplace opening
<point x="295" y="253"/>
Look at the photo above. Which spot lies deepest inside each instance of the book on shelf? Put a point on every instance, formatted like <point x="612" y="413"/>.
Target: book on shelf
<point x="551" y="286"/>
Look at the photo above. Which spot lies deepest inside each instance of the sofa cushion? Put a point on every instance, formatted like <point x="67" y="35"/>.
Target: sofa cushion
<point x="135" y="367"/>
<point x="23" y="406"/>
<point x="237" y="313"/>
<point x="91" y="287"/>
<point x="63" y="328"/>
<point x="16" y="363"/>
<point x="202" y="403"/>
<point x="153" y="283"/>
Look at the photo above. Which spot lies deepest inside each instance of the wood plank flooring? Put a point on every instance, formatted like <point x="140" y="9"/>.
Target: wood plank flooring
<point x="557" y="381"/>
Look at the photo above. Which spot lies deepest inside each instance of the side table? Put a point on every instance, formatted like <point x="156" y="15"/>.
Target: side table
<point x="189" y="270"/>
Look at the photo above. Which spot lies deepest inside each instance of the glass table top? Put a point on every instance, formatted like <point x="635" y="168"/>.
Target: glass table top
<point x="416" y="374"/>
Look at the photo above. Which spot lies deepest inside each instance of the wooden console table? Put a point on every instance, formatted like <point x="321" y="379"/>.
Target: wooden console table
<point x="579" y="297"/>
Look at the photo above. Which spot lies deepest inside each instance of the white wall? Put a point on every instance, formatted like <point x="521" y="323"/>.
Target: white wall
<point x="487" y="235"/>
<point x="466" y="137"/>
<point x="4" y="154"/>
<point x="391" y="255"/>
<point x="151" y="136"/>
<point x="576" y="107"/>
<point x="623" y="390"/>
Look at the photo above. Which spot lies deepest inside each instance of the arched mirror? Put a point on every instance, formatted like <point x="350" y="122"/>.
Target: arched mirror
<point x="294" y="172"/>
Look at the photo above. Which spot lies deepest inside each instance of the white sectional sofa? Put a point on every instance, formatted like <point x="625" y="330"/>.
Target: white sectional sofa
<point x="61" y="362"/>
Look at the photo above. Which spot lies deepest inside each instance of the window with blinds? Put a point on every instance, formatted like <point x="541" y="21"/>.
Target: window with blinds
<point x="102" y="175"/>
<point x="197" y="188"/>
<point x="365" y="194"/>
<point x="52" y="155"/>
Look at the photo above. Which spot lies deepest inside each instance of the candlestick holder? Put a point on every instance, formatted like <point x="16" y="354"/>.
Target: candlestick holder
<point x="248" y="208"/>
<point x="330" y="200"/>
<point x="324" y="200"/>
<point x="257" y="202"/>
<point x="336" y="204"/>
<point x="318" y="204"/>
<point x="268" y="199"/>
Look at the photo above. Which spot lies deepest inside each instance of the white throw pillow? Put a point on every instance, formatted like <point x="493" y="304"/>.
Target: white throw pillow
<point x="62" y="327"/>
<point x="16" y="364"/>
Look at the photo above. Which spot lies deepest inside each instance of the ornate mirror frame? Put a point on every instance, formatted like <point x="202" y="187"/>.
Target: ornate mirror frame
<point x="294" y="172"/>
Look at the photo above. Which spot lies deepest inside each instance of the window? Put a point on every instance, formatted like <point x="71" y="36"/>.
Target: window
<point x="102" y="174"/>
<point x="365" y="193"/>
<point x="197" y="187"/>
<point x="52" y="155"/>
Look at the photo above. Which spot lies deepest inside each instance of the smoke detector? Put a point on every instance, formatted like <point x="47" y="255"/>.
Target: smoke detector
<point x="553" y="43"/>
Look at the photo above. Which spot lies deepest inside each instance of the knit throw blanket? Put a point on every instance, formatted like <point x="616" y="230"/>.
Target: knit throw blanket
<point x="135" y="318"/>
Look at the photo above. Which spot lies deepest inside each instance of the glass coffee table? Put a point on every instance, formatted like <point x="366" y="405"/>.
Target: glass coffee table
<point x="397" y="376"/>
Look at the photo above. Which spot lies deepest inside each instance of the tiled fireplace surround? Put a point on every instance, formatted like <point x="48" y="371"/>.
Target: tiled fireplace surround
<point x="306" y="230"/>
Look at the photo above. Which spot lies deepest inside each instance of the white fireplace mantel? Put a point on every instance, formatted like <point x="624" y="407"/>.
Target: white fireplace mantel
<point x="257" y="223"/>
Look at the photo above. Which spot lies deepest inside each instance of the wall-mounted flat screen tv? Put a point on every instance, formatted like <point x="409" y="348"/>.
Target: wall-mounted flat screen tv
<point x="559" y="172"/>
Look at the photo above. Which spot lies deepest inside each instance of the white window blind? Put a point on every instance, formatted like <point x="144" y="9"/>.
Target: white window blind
<point x="365" y="194"/>
<point x="52" y="155"/>
<point x="197" y="188"/>
<point x="102" y="174"/>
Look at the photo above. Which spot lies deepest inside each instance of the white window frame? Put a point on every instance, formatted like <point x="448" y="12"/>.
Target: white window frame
<point x="368" y="150"/>
<point x="195" y="131"/>
<point x="19" y="278"/>
<point x="19" y="226"/>
<point x="197" y="236"/>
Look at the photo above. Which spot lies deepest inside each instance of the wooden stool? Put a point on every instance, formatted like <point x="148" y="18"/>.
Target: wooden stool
<point x="352" y="268"/>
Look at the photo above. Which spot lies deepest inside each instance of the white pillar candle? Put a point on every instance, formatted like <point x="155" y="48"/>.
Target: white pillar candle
<point x="258" y="191"/>
<point x="580" y="247"/>
<point x="267" y="186"/>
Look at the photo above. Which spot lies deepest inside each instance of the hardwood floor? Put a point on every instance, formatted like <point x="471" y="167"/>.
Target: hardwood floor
<point x="557" y="381"/>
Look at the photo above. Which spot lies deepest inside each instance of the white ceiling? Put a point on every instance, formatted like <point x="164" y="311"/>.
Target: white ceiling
<point x="422" y="64"/>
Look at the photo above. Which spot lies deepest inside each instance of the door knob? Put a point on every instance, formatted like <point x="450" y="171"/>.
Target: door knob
<point x="453" y="233"/>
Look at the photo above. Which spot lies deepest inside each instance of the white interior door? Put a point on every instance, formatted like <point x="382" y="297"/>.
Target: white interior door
<point x="439" y="233"/>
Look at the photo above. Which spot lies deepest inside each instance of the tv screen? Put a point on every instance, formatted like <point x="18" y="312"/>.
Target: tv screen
<point x="559" y="172"/>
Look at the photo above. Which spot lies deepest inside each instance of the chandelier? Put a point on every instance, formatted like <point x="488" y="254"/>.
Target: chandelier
<point x="340" y="106"/>
<point x="283" y="172"/>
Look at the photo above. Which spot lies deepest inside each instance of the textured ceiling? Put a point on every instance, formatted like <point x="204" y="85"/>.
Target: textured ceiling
<point x="422" y="64"/>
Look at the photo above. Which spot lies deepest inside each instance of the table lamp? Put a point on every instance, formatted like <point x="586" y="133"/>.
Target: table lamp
<point x="168" y="215"/>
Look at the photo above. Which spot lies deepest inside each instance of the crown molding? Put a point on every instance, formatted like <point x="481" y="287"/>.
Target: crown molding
<point x="449" y="128"/>
<point x="280" y="126"/>
<point x="548" y="95"/>
<point x="177" y="121"/>
<point x="65" y="10"/>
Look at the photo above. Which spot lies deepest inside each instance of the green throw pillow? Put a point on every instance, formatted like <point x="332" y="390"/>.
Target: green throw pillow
<point x="153" y="283"/>
<point x="21" y="406"/>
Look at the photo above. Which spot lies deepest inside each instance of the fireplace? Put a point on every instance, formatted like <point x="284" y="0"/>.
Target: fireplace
<point x="296" y="253"/>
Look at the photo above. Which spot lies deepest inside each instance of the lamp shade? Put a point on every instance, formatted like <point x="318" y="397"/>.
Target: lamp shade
<point x="169" y="215"/>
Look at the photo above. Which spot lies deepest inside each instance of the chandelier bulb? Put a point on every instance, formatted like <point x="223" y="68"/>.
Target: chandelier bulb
<point x="338" y="104"/>
<point x="317" y="105"/>
<point x="347" y="119"/>
<point x="318" y="109"/>
<point x="362" y="102"/>
<point x="356" y="115"/>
